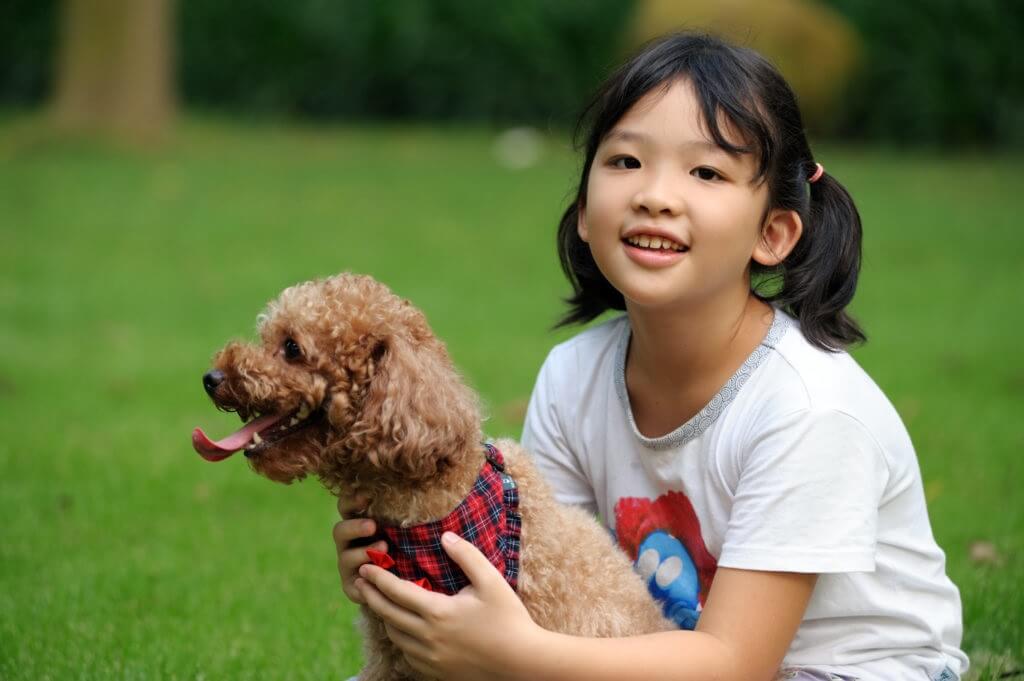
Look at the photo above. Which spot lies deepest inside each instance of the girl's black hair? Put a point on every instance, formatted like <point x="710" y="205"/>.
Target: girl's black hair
<point x="817" y="279"/>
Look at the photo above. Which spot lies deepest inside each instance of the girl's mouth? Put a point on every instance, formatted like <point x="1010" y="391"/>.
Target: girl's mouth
<point x="658" y="251"/>
<point x="655" y="243"/>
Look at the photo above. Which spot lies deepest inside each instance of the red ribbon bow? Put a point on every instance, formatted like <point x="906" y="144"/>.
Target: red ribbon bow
<point x="382" y="560"/>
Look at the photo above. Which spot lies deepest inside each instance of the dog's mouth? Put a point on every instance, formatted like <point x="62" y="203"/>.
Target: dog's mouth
<point x="259" y="434"/>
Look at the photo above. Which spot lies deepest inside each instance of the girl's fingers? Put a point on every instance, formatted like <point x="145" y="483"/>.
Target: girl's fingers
<point x="350" y="560"/>
<point x="478" y="569"/>
<point x="348" y="567"/>
<point x="347" y="530"/>
<point x="353" y="593"/>
<point x="402" y="594"/>
<point x="410" y="645"/>
<point x="389" y="611"/>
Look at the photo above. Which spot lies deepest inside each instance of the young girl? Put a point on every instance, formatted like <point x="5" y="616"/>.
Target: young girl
<point x="763" y="484"/>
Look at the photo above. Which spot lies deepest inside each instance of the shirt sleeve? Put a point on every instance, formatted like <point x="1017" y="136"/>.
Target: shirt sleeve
<point x="807" y="497"/>
<point x="547" y="438"/>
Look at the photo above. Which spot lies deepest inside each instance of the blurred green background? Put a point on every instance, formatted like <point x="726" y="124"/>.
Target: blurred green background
<point x="166" y="168"/>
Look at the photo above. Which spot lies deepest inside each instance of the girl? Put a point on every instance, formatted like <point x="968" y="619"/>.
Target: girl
<point x="763" y="484"/>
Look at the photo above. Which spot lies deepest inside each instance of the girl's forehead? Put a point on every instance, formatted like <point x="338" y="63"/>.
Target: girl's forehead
<point x="671" y="112"/>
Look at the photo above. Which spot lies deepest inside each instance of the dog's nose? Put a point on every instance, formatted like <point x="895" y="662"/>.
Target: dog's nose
<point x="211" y="379"/>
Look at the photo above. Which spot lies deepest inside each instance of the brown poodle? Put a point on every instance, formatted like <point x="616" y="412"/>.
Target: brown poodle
<point x="350" y="385"/>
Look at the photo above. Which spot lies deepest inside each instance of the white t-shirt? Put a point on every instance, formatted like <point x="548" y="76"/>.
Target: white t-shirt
<point x="798" y="464"/>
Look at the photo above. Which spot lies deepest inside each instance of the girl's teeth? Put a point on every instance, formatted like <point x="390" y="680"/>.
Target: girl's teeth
<point x="655" y="243"/>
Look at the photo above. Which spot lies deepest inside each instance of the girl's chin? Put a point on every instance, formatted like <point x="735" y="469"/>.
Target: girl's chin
<point x="654" y="296"/>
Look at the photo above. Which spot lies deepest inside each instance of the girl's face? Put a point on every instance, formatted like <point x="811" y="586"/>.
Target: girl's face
<point x="671" y="218"/>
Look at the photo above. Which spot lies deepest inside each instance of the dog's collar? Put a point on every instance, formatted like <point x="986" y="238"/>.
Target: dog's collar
<point x="489" y="518"/>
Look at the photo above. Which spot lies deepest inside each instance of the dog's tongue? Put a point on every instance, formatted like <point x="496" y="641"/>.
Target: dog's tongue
<point x="222" y="449"/>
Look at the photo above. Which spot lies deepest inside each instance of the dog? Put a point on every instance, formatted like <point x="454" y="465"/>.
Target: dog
<point x="349" y="384"/>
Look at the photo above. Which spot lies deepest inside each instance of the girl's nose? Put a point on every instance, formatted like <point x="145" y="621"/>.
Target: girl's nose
<point x="659" y="196"/>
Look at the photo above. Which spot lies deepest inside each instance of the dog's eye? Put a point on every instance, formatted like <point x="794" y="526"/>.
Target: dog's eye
<point x="291" y="349"/>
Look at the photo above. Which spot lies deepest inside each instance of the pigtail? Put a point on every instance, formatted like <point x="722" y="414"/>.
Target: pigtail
<point x="820" y="275"/>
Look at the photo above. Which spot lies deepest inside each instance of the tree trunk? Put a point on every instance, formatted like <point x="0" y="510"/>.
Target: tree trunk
<point x="115" y="68"/>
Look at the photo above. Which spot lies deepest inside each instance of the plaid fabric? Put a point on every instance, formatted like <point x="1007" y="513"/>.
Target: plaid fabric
<point x="489" y="518"/>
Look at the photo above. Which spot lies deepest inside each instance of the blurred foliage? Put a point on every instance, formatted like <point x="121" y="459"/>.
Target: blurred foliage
<point x="529" y="60"/>
<point x="937" y="72"/>
<point x="28" y="45"/>
<point x="918" y="72"/>
<point x="814" y="47"/>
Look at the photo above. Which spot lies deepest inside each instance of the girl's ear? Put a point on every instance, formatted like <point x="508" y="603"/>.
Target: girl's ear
<point x="781" y="231"/>
<point x="581" y="223"/>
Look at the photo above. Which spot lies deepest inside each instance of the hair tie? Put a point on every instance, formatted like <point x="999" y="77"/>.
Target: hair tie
<point x="819" y="171"/>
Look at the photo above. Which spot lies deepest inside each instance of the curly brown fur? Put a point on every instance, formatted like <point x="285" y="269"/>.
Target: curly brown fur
<point x="391" y="419"/>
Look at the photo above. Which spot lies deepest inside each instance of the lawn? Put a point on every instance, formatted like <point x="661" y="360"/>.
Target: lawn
<point x="123" y="555"/>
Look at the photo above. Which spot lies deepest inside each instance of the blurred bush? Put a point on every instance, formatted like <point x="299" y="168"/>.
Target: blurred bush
<point x="28" y="43"/>
<point x="814" y="47"/>
<point x="941" y="72"/>
<point x="529" y="60"/>
<point x="937" y="72"/>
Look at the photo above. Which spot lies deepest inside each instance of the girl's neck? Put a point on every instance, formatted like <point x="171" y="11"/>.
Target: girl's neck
<point x="689" y="340"/>
<point x="679" y="359"/>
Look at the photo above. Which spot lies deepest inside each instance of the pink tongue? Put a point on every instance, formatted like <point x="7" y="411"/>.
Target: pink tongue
<point x="222" y="449"/>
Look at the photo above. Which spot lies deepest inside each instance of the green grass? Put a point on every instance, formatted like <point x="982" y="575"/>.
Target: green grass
<point x="123" y="555"/>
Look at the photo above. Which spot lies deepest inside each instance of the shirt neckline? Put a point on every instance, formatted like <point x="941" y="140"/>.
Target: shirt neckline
<point x="703" y="419"/>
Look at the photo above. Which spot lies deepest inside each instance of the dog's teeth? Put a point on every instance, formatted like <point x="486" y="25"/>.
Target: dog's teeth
<point x="292" y="422"/>
<point x="303" y="411"/>
<point x="256" y="439"/>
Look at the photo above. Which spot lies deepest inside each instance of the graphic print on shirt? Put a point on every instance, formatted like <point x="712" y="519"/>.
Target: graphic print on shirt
<point x="663" y="539"/>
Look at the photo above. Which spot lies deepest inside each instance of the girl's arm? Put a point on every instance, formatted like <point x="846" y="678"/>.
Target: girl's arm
<point x="742" y="634"/>
<point x="484" y="631"/>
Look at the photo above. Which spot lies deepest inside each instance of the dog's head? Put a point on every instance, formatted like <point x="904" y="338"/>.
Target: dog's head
<point x="347" y="383"/>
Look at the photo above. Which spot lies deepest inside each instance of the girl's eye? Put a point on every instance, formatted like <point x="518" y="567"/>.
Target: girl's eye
<point x="705" y="173"/>
<point x="625" y="163"/>
<point x="291" y="349"/>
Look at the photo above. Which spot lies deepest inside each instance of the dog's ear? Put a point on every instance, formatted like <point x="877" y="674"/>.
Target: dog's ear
<point x="417" y="412"/>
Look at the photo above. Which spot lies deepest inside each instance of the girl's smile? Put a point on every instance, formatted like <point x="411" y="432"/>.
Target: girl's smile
<point x="653" y="247"/>
<point x="655" y="252"/>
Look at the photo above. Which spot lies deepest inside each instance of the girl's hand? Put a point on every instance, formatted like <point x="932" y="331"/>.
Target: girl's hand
<point x="477" y="633"/>
<point x="350" y="558"/>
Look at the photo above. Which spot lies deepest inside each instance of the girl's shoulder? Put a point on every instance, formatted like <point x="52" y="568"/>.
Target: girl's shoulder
<point x="800" y="381"/>
<point x="816" y="377"/>
<point x="574" y="368"/>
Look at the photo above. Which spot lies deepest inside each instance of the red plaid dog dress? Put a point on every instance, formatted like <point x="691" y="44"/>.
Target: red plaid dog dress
<point x="489" y="518"/>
